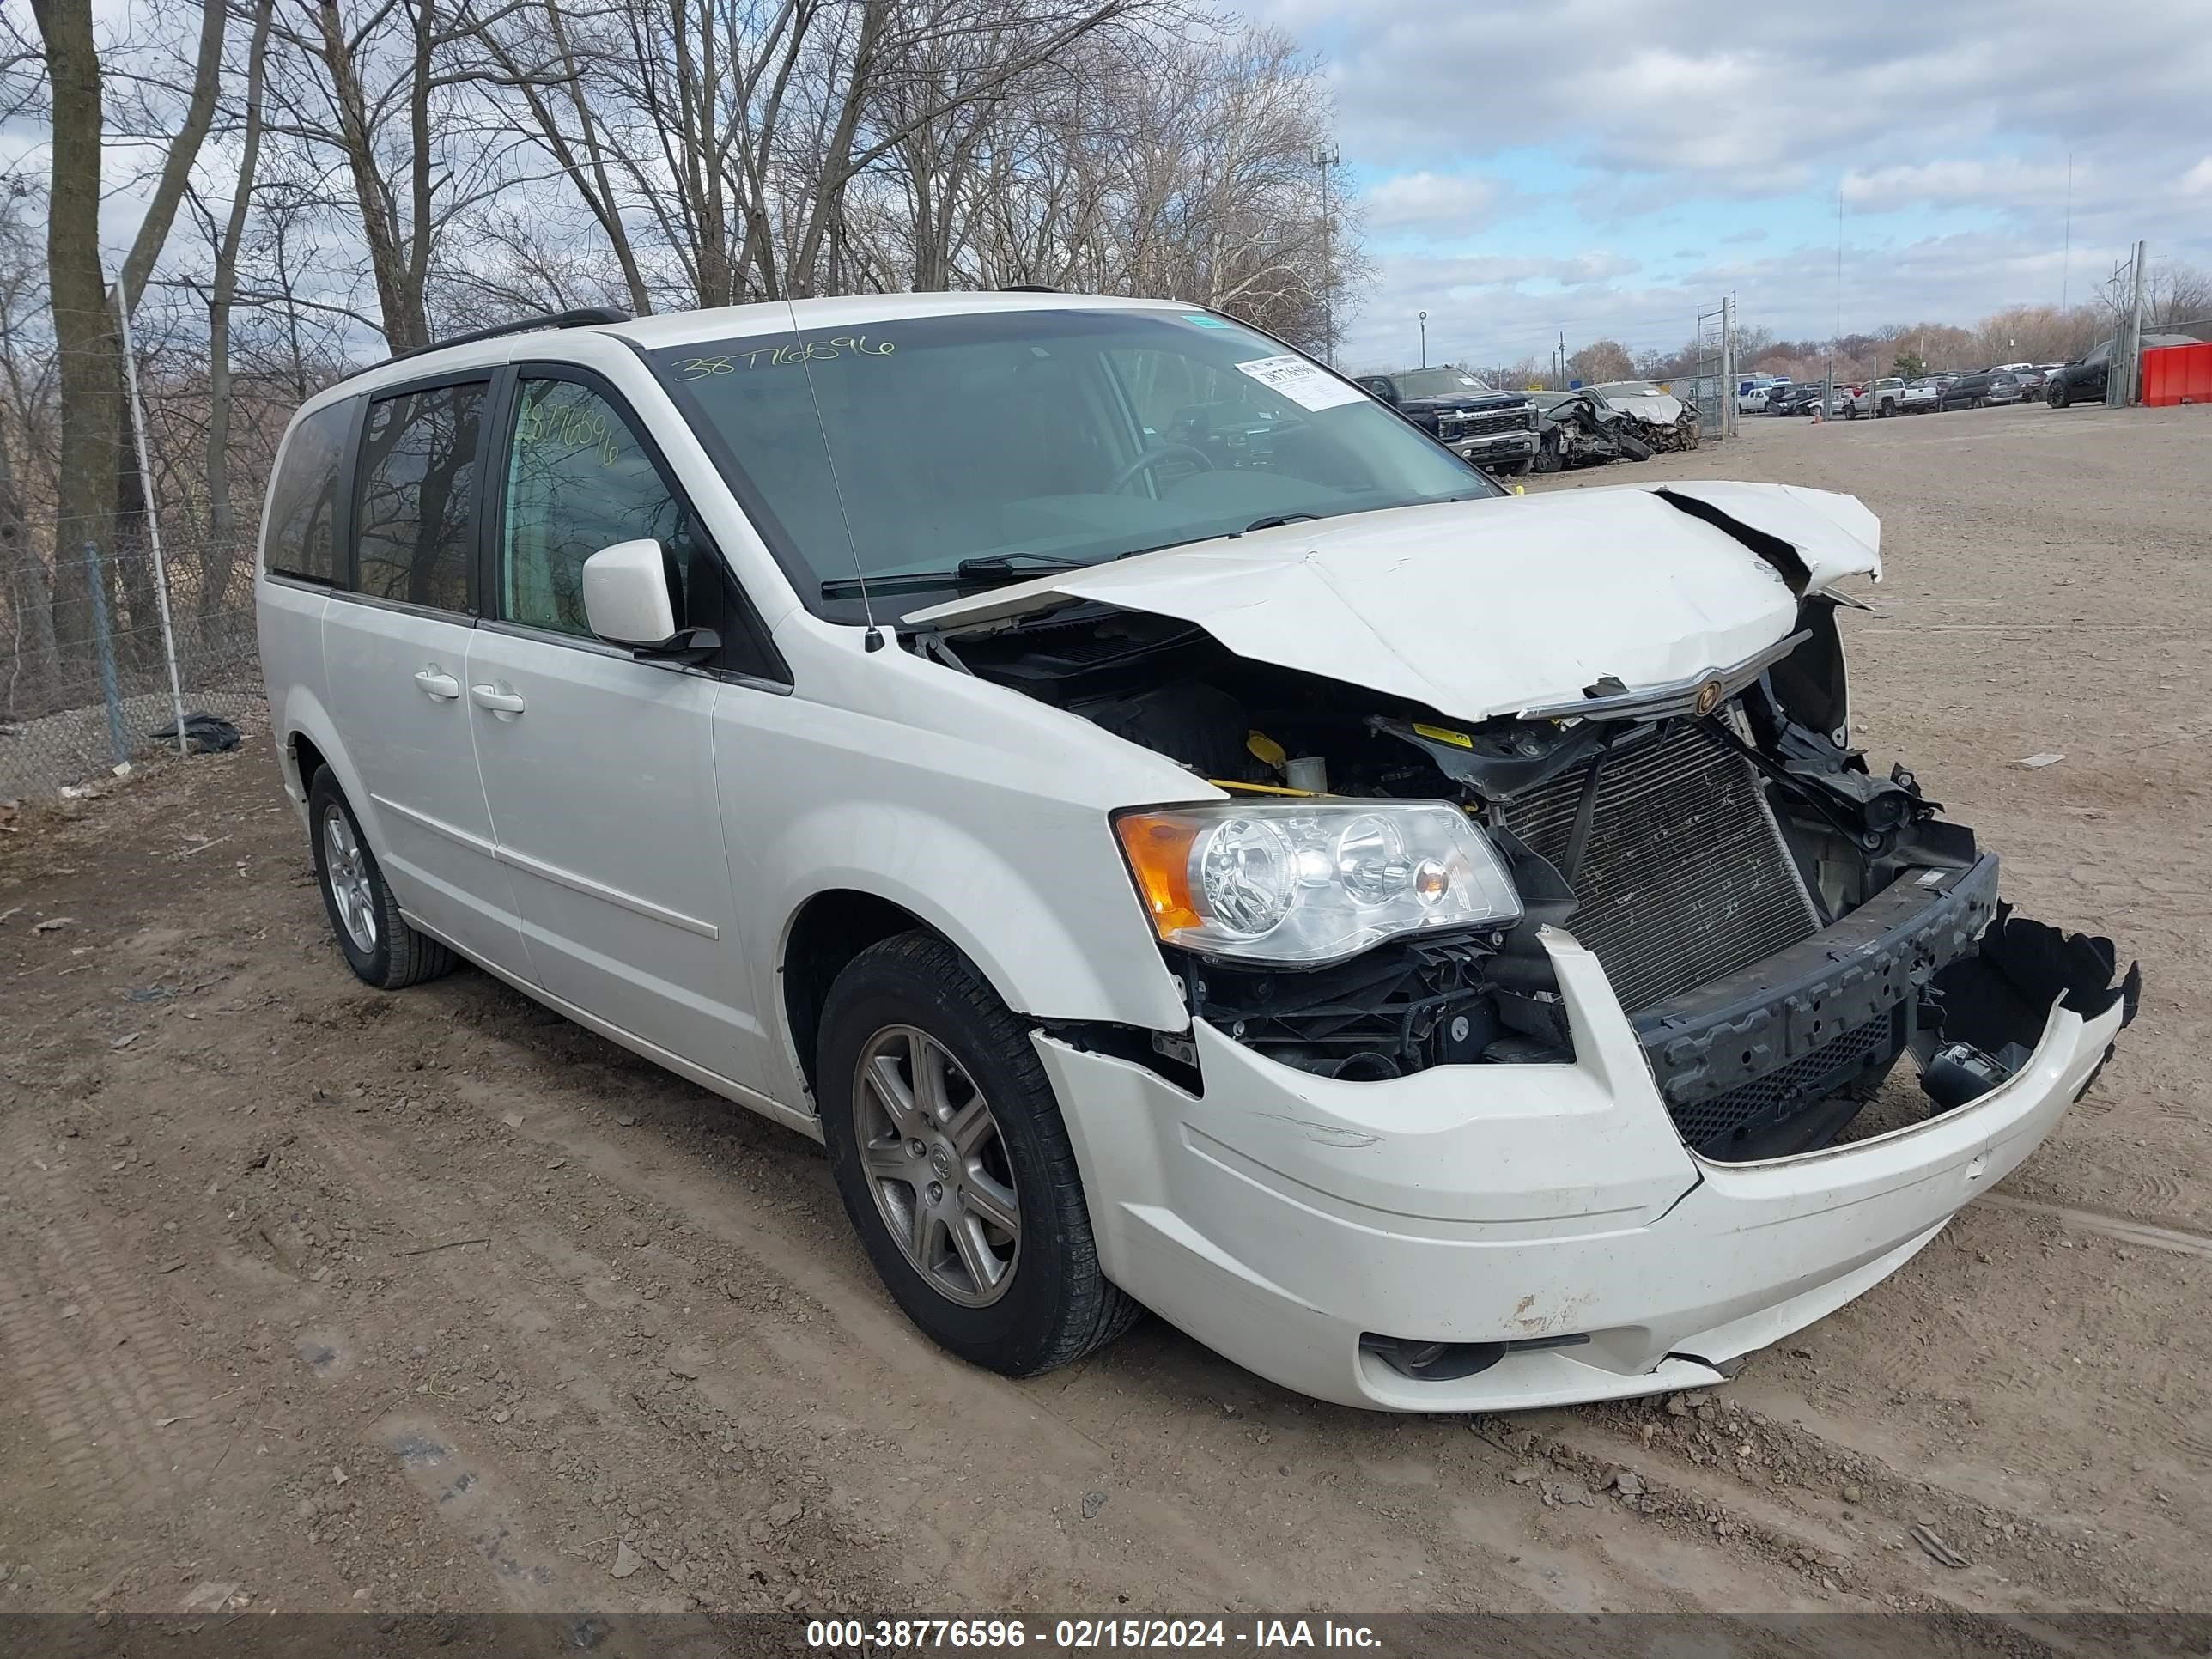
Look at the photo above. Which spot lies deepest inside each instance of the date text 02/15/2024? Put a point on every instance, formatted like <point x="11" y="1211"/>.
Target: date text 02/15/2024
<point x="881" y="1636"/>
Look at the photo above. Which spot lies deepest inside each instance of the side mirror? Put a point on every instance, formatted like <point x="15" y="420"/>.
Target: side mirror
<point x="627" y="602"/>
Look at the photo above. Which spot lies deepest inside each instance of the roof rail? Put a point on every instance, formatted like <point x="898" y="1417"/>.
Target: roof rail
<point x="583" y="317"/>
<point x="1028" y="288"/>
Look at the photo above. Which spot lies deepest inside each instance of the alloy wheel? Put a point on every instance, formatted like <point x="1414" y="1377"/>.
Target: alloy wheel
<point x="937" y="1165"/>
<point x="346" y="867"/>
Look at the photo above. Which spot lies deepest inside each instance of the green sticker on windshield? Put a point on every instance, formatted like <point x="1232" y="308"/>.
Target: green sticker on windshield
<point x="1206" y="322"/>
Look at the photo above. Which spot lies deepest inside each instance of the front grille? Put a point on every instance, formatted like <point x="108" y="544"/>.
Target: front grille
<point x="1744" y="1121"/>
<point x="1684" y="876"/>
<point x="1456" y="427"/>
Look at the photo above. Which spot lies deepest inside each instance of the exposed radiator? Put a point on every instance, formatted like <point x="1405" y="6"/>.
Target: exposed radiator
<point x="1684" y="875"/>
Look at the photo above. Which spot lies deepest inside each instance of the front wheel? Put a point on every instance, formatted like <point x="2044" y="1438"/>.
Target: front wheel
<point x="954" y="1165"/>
<point x="2058" y="397"/>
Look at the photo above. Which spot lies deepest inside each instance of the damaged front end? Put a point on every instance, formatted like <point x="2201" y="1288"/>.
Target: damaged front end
<point x="1582" y="430"/>
<point x="1780" y="923"/>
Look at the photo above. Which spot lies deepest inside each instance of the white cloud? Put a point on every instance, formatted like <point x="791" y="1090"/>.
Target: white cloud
<point x="1444" y="202"/>
<point x="1707" y="124"/>
<point x="1737" y="99"/>
<point x="2003" y="181"/>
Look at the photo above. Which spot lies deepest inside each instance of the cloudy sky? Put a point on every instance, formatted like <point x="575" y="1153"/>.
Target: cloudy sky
<point x="1609" y="166"/>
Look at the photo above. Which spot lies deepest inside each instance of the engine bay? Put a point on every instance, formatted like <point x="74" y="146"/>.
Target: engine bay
<point x="1702" y="841"/>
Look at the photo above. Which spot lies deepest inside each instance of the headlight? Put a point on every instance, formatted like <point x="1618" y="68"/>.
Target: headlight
<point x="1312" y="882"/>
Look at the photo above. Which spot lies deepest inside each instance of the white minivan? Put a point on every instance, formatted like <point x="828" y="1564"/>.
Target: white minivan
<point x="1182" y="837"/>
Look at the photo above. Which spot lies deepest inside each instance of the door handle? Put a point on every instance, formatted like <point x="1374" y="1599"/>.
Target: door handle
<point x="442" y="686"/>
<point x="499" y="701"/>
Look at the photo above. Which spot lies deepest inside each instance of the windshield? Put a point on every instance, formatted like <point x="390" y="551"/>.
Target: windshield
<point x="1612" y="389"/>
<point x="1415" y="385"/>
<point x="1018" y="440"/>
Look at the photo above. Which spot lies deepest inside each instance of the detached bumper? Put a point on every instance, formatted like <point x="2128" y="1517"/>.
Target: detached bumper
<point x="1284" y="1215"/>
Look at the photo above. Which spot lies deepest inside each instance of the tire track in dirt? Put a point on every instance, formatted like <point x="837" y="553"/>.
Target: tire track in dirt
<point x="93" y="1356"/>
<point x="2126" y="1229"/>
<point x="103" y="1365"/>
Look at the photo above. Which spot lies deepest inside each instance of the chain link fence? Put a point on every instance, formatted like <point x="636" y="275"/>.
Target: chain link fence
<point x="86" y="649"/>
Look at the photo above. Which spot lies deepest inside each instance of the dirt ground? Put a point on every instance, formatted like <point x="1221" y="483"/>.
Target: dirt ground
<point x="433" y="1301"/>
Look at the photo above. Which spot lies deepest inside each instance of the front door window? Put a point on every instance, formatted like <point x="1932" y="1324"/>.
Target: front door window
<point x="577" y="480"/>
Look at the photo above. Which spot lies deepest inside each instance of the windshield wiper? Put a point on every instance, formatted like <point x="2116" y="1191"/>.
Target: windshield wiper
<point x="988" y="568"/>
<point x="1275" y="520"/>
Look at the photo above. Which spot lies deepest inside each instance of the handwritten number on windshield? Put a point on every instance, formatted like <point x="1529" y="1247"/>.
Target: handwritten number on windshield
<point x="858" y="345"/>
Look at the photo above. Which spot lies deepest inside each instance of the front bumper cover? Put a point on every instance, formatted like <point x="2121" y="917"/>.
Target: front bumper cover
<point x="1283" y="1217"/>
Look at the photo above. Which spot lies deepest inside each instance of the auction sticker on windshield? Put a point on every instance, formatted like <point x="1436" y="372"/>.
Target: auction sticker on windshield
<point x="1301" y="382"/>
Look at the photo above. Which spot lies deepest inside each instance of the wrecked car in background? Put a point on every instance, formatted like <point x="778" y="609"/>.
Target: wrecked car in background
<point x="1477" y="422"/>
<point x="1580" y="428"/>
<point x="1180" y="837"/>
<point x="1665" y="422"/>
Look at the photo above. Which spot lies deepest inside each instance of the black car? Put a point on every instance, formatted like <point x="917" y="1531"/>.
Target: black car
<point x="2083" y="380"/>
<point x="1800" y="400"/>
<point x="1992" y="386"/>
<point x="1492" y="428"/>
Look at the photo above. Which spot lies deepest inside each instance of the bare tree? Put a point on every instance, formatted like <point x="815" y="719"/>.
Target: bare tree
<point x="84" y="337"/>
<point x="1601" y="360"/>
<point x="221" y="523"/>
<point x="401" y="100"/>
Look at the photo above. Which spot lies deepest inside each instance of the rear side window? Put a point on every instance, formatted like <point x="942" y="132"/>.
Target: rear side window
<point x="418" y="476"/>
<point x="302" y="537"/>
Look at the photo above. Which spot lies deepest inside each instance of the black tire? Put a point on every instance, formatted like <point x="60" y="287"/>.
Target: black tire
<point x="1059" y="1305"/>
<point x="2058" y="397"/>
<point x="398" y="955"/>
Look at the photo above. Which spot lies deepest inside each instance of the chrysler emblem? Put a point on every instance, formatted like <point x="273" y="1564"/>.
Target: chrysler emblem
<point x="1709" y="697"/>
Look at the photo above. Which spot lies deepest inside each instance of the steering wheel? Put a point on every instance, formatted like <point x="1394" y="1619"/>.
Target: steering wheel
<point x="1153" y="458"/>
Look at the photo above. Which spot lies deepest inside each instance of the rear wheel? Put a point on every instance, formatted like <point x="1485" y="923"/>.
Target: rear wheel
<point x="952" y="1162"/>
<point x="379" y="943"/>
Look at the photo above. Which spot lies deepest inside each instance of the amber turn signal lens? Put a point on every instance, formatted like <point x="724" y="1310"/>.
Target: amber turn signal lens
<point x="1159" y="851"/>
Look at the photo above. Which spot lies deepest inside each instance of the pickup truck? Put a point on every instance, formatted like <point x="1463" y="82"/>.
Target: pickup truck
<point x="1887" y="398"/>
<point x="1494" y="429"/>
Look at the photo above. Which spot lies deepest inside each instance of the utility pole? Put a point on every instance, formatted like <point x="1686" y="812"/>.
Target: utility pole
<point x="2124" y="395"/>
<point x="1828" y="390"/>
<point x="1425" y="339"/>
<point x="1325" y="156"/>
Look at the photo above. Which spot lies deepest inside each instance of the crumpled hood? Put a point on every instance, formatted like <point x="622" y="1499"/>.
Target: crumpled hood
<point x="1658" y="408"/>
<point x="1478" y="609"/>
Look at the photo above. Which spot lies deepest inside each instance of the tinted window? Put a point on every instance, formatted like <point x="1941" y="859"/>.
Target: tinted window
<point x="418" y="467"/>
<point x="577" y="480"/>
<point x="301" y="532"/>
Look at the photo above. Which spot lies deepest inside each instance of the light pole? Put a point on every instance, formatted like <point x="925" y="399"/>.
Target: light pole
<point x="1325" y="156"/>
<point x="1425" y="339"/>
